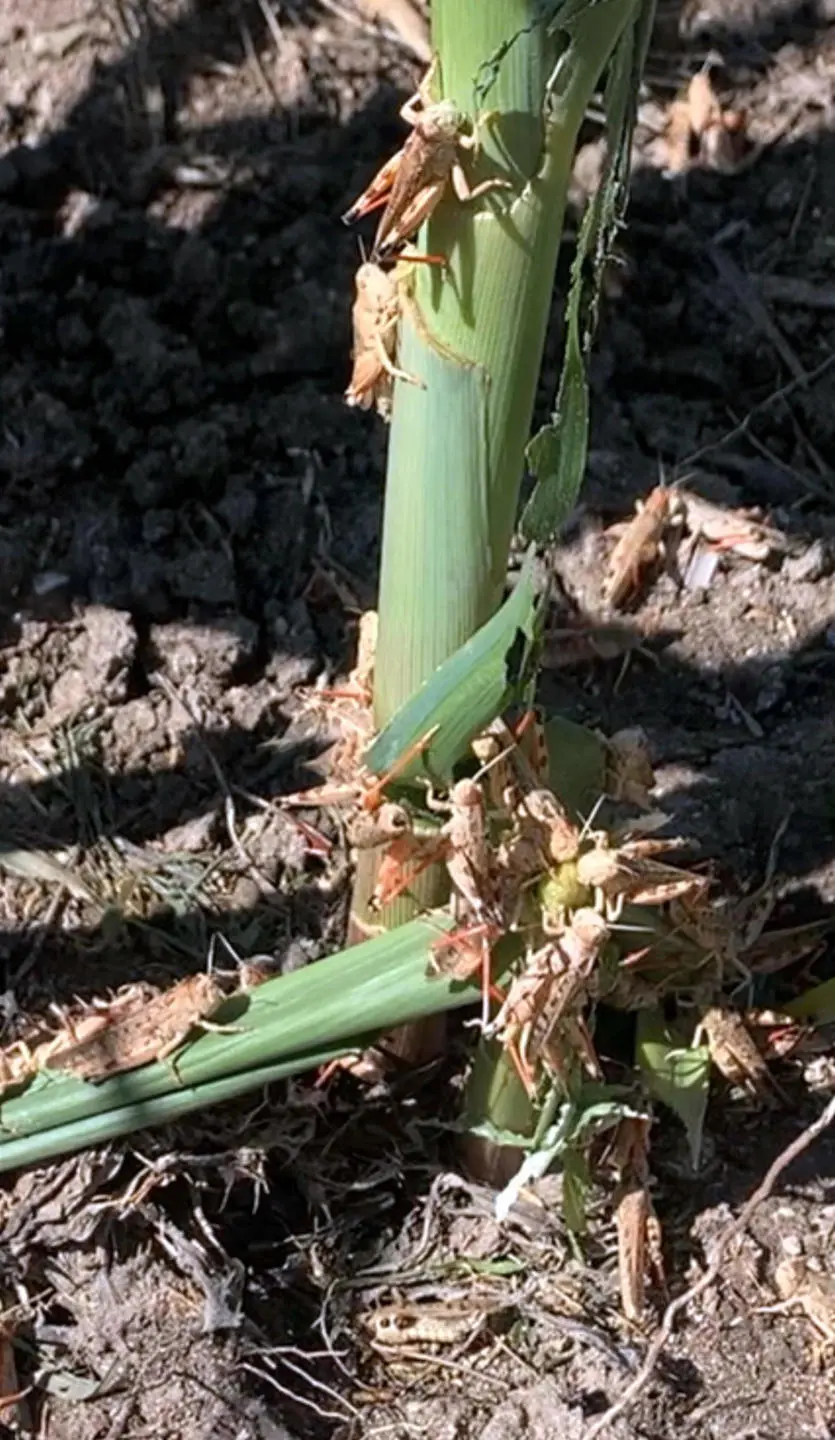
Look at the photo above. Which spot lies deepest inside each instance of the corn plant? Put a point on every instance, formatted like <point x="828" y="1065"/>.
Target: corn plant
<point x="474" y="334"/>
<point x="453" y="652"/>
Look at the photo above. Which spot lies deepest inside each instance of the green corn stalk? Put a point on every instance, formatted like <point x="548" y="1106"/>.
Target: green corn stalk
<point x="474" y="333"/>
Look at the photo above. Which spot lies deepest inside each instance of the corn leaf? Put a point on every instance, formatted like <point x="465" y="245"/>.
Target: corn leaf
<point x="576" y="1180"/>
<point x="465" y="693"/>
<point x="816" y="1005"/>
<point x="437" y="583"/>
<point x="577" y="765"/>
<point x="283" y="1027"/>
<point x="556" y="456"/>
<point x="676" y="1074"/>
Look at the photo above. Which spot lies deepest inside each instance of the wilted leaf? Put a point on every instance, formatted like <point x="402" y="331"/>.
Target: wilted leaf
<point x="39" y="865"/>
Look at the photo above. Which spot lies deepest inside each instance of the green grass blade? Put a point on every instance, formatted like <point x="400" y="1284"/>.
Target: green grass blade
<point x="165" y="1109"/>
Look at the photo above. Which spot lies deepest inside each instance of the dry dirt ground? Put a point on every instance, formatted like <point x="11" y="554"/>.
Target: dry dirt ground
<point x="187" y="510"/>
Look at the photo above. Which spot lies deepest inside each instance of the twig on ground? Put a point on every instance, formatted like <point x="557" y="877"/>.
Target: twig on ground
<point x="744" y="425"/>
<point x="745" y="291"/>
<point x="806" y="1138"/>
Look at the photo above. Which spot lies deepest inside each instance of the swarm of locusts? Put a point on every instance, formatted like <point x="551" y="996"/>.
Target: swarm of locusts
<point x="574" y="902"/>
<point x="519" y="864"/>
<point x="407" y="188"/>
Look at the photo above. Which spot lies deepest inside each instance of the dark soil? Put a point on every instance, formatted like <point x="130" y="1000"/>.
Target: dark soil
<point x="189" y="525"/>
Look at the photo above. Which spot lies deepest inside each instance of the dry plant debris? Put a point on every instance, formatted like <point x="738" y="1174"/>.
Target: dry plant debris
<point x="407" y="18"/>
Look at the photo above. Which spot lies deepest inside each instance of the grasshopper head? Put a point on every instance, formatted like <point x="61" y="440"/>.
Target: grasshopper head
<point x="443" y="121"/>
<point x="373" y="284"/>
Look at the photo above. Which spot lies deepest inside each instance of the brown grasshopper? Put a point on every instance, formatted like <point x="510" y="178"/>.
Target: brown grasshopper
<point x="639" y="545"/>
<point x="462" y="844"/>
<point x="375" y="317"/>
<point x="736" y="1054"/>
<point x="627" y="873"/>
<point x="629" y="776"/>
<point x="811" y="1292"/>
<point x="410" y="185"/>
<point x="150" y="1031"/>
<point x="639" y="1231"/>
<point x="24" y="1058"/>
<point x="549" y="990"/>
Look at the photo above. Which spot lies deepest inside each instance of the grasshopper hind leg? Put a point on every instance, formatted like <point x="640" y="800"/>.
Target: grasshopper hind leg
<point x="392" y="370"/>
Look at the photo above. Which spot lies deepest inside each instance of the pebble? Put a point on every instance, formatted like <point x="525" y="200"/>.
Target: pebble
<point x="813" y="564"/>
<point x="791" y="1245"/>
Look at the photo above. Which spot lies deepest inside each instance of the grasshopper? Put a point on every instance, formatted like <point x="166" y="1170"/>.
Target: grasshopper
<point x="639" y="1230"/>
<point x="736" y="1054"/>
<point x="410" y="185"/>
<point x="21" y="1061"/>
<point x="629" y="874"/>
<point x="149" y="1032"/>
<point x="550" y="991"/>
<point x="375" y="317"/>
<point x="640" y="544"/>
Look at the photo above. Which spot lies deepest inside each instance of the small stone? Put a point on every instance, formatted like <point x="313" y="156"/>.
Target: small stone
<point x="813" y="564"/>
<point x="192" y="837"/>
<point x="772" y="691"/>
<point x="791" y="1245"/>
<point x="246" y="894"/>
<point x="69" y="696"/>
<point x="47" y="581"/>
<point x="209" y="655"/>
